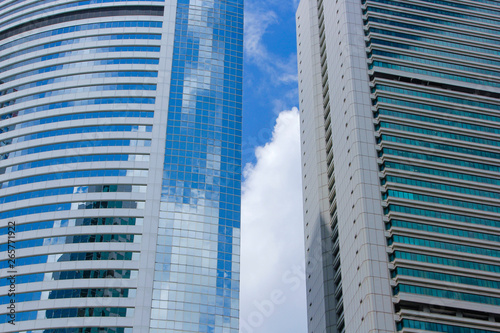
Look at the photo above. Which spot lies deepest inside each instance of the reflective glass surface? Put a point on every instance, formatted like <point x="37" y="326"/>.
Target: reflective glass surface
<point x="440" y="42"/>
<point x="78" y="130"/>
<point x="77" y="28"/>
<point x="450" y="23"/>
<point x="442" y="173"/>
<point x="84" y="13"/>
<point x="443" y="245"/>
<point x="444" y="110"/>
<point x="78" y="116"/>
<point x="467" y="264"/>
<point x="105" y="238"/>
<point x="446" y="277"/>
<point x="442" y="187"/>
<point x="74" y="275"/>
<point x="439" y="97"/>
<point x="467" y="6"/>
<point x="440" y="121"/>
<point x="437" y="327"/>
<point x="87" y="330"/>
<point x="74" y="174"/>
<point x="122" y="61"/>
<point x="71" y="313"/>
<point x="94" y="88"/>
<point x="442" y="230"/>
<point x="72" y="190"/>
<point x="59" y="7"/>
<point x="73" y="41"/>
<point x="198" y="235"/>
<point x="439" y="146"/>
<point x="439" y="52"/>
<point x="431" y="9"/>
<point x="433" y="71"/>
<point x="433" y="132"/>
<point x="404" y="288"/>
<point x="442" y="215"/>
<point x="71" y="206"/>
<point x="76" y="144"/>
<point x="70" y="293"/>
<point x="440" y="200"/>
<point x="72" y="256"/>
<point x="82" y="102"/>
<point x="87" y="221"/>
<point x="78" y="90"/>
<point x="427" y="157"/>
<point x="430" y="40"/>
<point x="69" y="78"/>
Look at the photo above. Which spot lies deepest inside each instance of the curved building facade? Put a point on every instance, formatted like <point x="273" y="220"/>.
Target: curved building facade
<point x="120" y="144"/>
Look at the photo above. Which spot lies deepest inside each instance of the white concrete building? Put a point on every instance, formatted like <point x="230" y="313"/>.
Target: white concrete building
<point x="400" y="125"/>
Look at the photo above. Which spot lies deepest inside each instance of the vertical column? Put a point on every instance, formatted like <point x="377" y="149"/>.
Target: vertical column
<point x="366" y="285"/>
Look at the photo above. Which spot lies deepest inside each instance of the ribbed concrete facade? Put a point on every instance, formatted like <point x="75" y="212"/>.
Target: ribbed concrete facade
<point x="400" y="128"/>
<point x="120" y="140"/>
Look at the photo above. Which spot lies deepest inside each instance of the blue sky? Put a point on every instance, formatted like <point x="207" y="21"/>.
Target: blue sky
<point x="270" y="69"/>
<point x="272" y="243"/>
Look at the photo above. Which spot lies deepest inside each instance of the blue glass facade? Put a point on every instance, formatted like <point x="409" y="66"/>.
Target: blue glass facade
<point x="198" y="250"/>
<point x="435" y="102"/>
<point x="120" y="165"/>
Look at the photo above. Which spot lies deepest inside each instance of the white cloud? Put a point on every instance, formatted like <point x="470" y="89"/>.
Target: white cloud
<point x="256" y="24"/>
<point x="272" y="253"/>
<point x="282" y="102"/>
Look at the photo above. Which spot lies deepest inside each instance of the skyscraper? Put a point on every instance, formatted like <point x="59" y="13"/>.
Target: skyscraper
<point x="120" y="131"/>
<point x="400" y="116"/>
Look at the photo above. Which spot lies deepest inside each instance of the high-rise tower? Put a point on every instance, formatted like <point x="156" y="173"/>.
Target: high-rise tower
<point x="400" y="116"/>
<point x="120" y="144"/>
